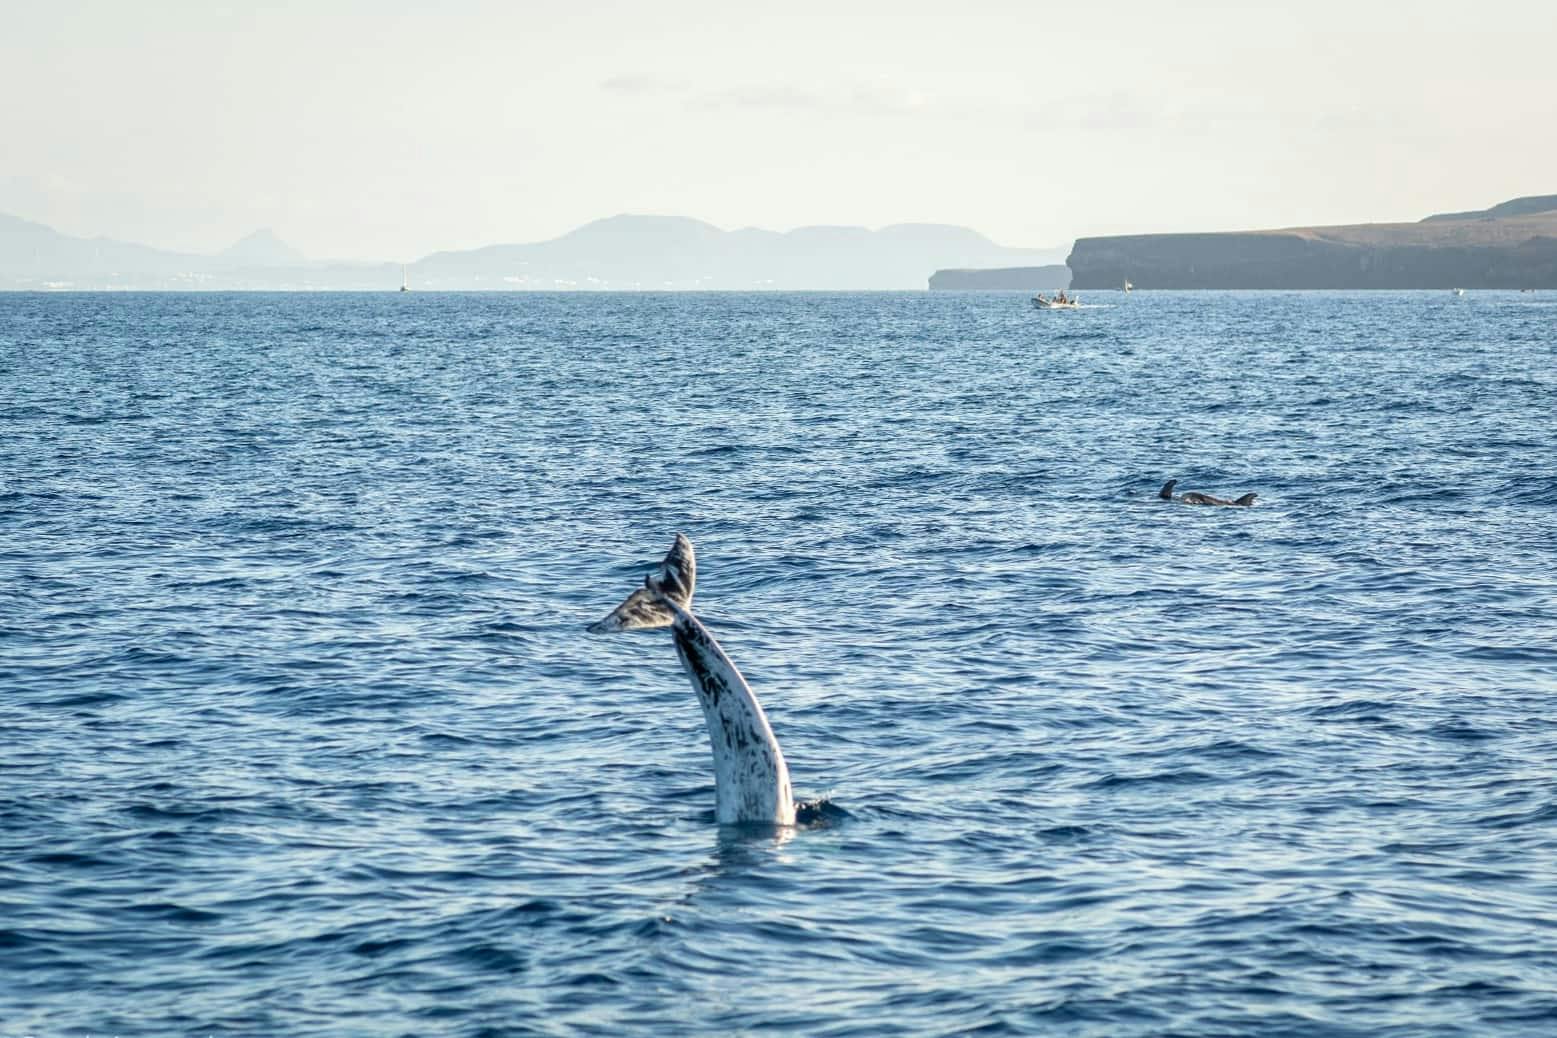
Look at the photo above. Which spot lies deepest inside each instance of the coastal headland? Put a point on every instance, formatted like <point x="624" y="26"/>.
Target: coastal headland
<point x="1512" y="245"/>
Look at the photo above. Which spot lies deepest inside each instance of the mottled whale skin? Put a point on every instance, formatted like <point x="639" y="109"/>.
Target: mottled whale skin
<point x="1195" y="497"/>
<point x="751" y="780"/>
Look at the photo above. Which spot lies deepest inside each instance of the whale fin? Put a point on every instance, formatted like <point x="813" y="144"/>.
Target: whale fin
<point x="1247" y="499"/>
<point x="751" y="780"/>
<point x="646" y="607"/>
<point x="1166" y="493"/>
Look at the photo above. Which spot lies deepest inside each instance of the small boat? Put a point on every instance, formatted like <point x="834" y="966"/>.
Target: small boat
<point x="1127" y="285"/>
<point x="1043" y="302"/>
<point x="1458" y="291"/>
<point x="405" y="282"/>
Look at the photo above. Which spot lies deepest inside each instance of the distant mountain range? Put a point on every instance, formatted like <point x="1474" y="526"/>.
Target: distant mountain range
<point x="1512" y="245"/>
<point x="619" y="253"/>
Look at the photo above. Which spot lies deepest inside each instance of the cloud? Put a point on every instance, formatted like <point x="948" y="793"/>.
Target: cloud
<point x="1113" y="111"/>
<point x="872" y="98"/>
<point x="859" y="98"/>
<point x="761" y="96"/>
<point x="638" y="84"/>
<point x="1110" y="113"/>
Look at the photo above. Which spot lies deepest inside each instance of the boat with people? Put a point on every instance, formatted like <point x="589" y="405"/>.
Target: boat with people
<point x="1058" y="302"/>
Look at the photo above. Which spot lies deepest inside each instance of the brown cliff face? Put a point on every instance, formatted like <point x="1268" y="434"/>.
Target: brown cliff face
<point x="1478" y="251"/>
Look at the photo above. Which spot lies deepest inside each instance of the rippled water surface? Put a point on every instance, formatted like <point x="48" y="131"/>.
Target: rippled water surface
<point x="300" y="732"/>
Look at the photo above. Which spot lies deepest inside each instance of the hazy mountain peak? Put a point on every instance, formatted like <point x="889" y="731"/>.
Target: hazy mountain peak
<point x="262" y="248"/>
<point x="15" y="224"/>
<point x="643" y="223"/>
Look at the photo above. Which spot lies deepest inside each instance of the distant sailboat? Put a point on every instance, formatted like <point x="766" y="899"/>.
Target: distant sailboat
<point x="1127" y="285"/>
<point x="405" y="282"/>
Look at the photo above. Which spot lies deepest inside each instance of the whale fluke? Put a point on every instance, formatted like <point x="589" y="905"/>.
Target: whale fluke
<point x="645" y="608"/>
<point x="751" y="780"/>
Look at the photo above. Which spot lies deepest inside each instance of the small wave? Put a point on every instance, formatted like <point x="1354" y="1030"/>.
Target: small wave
<point x="1367" y="710"/>
<point x="1178" y="777"/>
<point x="1544" y="654"/>
<point x="1460" y="730"/>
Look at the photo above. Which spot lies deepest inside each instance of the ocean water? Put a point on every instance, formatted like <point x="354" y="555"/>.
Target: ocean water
<point x="300" y="733"/>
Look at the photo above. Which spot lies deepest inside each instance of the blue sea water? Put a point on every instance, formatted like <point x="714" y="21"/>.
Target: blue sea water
<point x="300" y="733"/>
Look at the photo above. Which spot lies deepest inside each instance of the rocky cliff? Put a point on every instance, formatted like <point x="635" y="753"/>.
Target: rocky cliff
<point x="1513" y="245"/>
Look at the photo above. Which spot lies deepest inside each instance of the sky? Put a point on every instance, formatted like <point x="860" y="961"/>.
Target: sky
<point x="389" y="130"/>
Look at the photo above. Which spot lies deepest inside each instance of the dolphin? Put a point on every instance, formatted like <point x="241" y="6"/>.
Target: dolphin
<point x="1195" y="497"/>
<point x="751" y="780"/>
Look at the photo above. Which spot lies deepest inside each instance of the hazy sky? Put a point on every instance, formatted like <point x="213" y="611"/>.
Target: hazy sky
<point x="389" y="130"/>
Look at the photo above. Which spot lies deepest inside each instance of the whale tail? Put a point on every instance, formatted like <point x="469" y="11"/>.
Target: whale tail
<point x="1247" y="499"/>
<point x="648" y="607"/>
<point x="1166" y="493"/>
